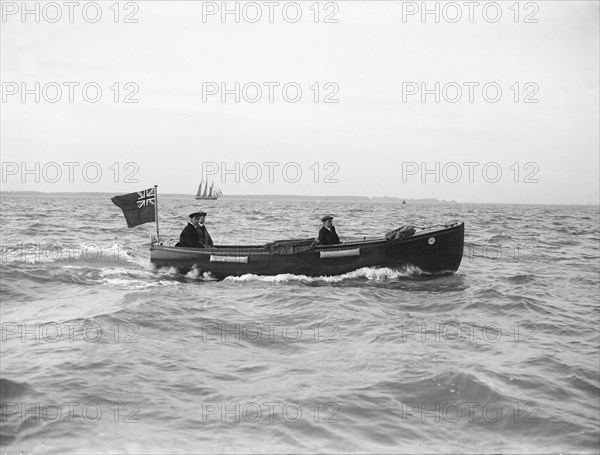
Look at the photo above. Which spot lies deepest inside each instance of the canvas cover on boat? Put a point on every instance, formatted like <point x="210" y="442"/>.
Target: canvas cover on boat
<point x="290" y="246"/>
<point x="401" y="233"/>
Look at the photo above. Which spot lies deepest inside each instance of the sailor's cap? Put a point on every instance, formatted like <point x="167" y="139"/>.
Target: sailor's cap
<point x="326" y="218"/>
<point x="197" y="214"/>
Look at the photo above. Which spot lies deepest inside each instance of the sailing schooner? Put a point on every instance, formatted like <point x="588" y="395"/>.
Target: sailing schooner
<point x="208" y="192"/>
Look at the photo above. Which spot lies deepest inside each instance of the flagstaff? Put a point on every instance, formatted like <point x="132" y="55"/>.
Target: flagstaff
<point x="156" y="212"/>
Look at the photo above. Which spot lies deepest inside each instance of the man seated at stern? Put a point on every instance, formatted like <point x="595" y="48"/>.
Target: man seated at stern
<point x="327" y="234"/>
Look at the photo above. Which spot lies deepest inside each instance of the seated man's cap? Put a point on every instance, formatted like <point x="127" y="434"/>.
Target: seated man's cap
<point x="325" y="218"/>
<point x="198" y="214"/>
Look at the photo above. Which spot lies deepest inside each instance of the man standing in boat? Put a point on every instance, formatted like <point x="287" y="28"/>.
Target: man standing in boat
<point x="327" y="234"/>
<point x="195" y="235"/>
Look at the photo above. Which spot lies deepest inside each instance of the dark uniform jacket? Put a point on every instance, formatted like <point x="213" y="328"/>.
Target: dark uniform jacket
<point x="205" y="238"/>
<point x="190" y="237"/>
<point x="328" y="237"/>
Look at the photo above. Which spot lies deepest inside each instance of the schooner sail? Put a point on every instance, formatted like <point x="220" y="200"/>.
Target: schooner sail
<point x="205" y="192"/>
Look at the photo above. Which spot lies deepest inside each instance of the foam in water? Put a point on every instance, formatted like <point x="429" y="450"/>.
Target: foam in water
<point x="369" y="273"/>
<point x="132" y="279"/>
<point x="196" y="274"/>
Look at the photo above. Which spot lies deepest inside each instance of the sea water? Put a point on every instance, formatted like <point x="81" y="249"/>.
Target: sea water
<point x="101" y="352"/>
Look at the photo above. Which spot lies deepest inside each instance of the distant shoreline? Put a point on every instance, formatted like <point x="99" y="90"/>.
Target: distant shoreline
<point x="231" y="197"/>
<point x="286" y="197"/>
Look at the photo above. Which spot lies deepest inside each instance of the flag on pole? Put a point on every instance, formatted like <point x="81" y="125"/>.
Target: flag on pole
<point x="138" y="208"/>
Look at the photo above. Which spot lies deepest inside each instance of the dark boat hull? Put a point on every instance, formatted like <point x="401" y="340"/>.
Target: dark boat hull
<point x="432" y="251"/>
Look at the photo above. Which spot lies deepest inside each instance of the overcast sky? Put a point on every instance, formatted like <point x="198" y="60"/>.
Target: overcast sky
<point x="361" y="124"/>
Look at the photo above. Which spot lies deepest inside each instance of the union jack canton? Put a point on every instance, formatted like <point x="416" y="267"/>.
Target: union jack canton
<point x="146" y="198"/>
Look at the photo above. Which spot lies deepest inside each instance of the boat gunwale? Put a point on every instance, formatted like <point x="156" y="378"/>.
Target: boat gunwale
<point x="264" y="250"/>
